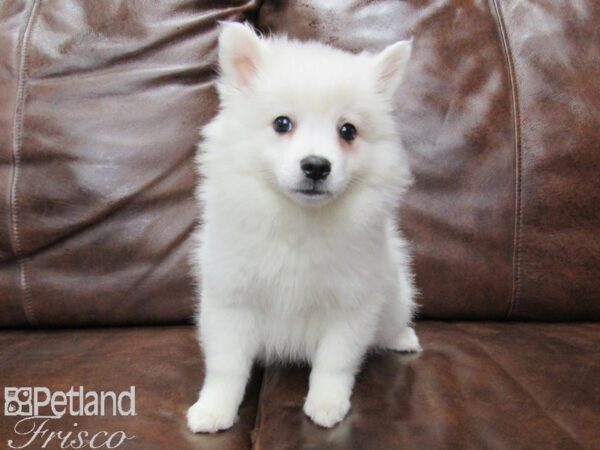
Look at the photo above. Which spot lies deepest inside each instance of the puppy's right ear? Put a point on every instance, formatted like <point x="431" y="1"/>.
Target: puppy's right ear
<point x="240" y="52"/>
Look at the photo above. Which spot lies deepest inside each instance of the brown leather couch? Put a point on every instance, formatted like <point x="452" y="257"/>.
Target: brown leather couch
<point x="100" y="106"/>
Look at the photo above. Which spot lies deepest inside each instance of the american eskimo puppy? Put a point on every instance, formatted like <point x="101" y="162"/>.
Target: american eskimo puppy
<point x="299" y="256"/>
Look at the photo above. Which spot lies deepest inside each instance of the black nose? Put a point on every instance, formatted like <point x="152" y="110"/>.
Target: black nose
<point x="315" y="167"/>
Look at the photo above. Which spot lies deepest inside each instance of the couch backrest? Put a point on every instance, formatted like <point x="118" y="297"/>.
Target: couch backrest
<point x="101" y="102"/>
<point x="500" y="113"/>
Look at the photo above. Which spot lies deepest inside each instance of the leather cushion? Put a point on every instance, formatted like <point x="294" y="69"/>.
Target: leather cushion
<point x="480" y="385"/>
<point x="500" y="114"/>
<point x="163" y="363"/>
<point x="102" y="106"/>
<point x="476" y="385"/>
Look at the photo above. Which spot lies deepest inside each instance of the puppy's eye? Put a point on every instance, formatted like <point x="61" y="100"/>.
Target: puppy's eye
<point x="283" y="124"/>
<point x="347" y="132"/>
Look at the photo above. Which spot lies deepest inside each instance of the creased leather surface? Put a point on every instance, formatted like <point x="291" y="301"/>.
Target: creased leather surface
<point x="114" y="95"/>
<point x="476" y="385"/>
<point x="557" y="76"/>
<point x="500" y="114"/>
<point x="454" y="114"/>
<point x="10" y="21"/>
<point x="12" y="16"/>
<point x="163" y="363"/>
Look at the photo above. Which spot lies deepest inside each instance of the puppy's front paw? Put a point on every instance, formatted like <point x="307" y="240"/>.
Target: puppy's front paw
<point x="326" y="411"/>
<point x="206" y="417"/>
<point x="406" y="341"/>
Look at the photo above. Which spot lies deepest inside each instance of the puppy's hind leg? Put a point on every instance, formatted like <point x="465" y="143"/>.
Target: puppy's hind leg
<point x="395" y="332"/>
<point x="405" y="341"/>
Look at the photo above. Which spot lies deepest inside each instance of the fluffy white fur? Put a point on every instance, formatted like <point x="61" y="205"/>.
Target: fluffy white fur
<point x="284" y="275"/>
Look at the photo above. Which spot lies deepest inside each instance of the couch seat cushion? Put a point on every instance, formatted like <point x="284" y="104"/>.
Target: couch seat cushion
<point x="476" y="385"/>
<point x="163" y="363"/>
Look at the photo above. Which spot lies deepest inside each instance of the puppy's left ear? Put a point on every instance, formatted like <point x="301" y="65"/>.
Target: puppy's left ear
<point x="390" y="66"/>
<point x="240" y="51"/>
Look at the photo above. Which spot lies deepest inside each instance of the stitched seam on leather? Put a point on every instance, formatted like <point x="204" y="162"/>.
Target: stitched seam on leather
<point x="17" y="144"/>
<point x="518" y="158"/>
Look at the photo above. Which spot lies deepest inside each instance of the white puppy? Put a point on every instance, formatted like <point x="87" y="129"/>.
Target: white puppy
<point x="298" y="255"/>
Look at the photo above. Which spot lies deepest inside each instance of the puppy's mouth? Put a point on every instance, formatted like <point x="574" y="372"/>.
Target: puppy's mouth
<point x="312" y="192"/>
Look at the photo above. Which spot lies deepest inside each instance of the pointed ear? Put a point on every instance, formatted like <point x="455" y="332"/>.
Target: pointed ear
<point x="239" y="53"/>
<point x="390" y="66"/>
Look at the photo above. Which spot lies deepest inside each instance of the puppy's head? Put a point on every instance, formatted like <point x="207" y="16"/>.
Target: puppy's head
<point x="311" y="121"/>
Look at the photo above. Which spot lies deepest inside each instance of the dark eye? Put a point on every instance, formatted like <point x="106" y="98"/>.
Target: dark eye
<point x="347" y="132"/>
<point x="283" y="124"/>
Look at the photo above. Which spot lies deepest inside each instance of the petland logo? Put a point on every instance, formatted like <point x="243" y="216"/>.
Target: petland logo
<point x="38" y="407"/>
